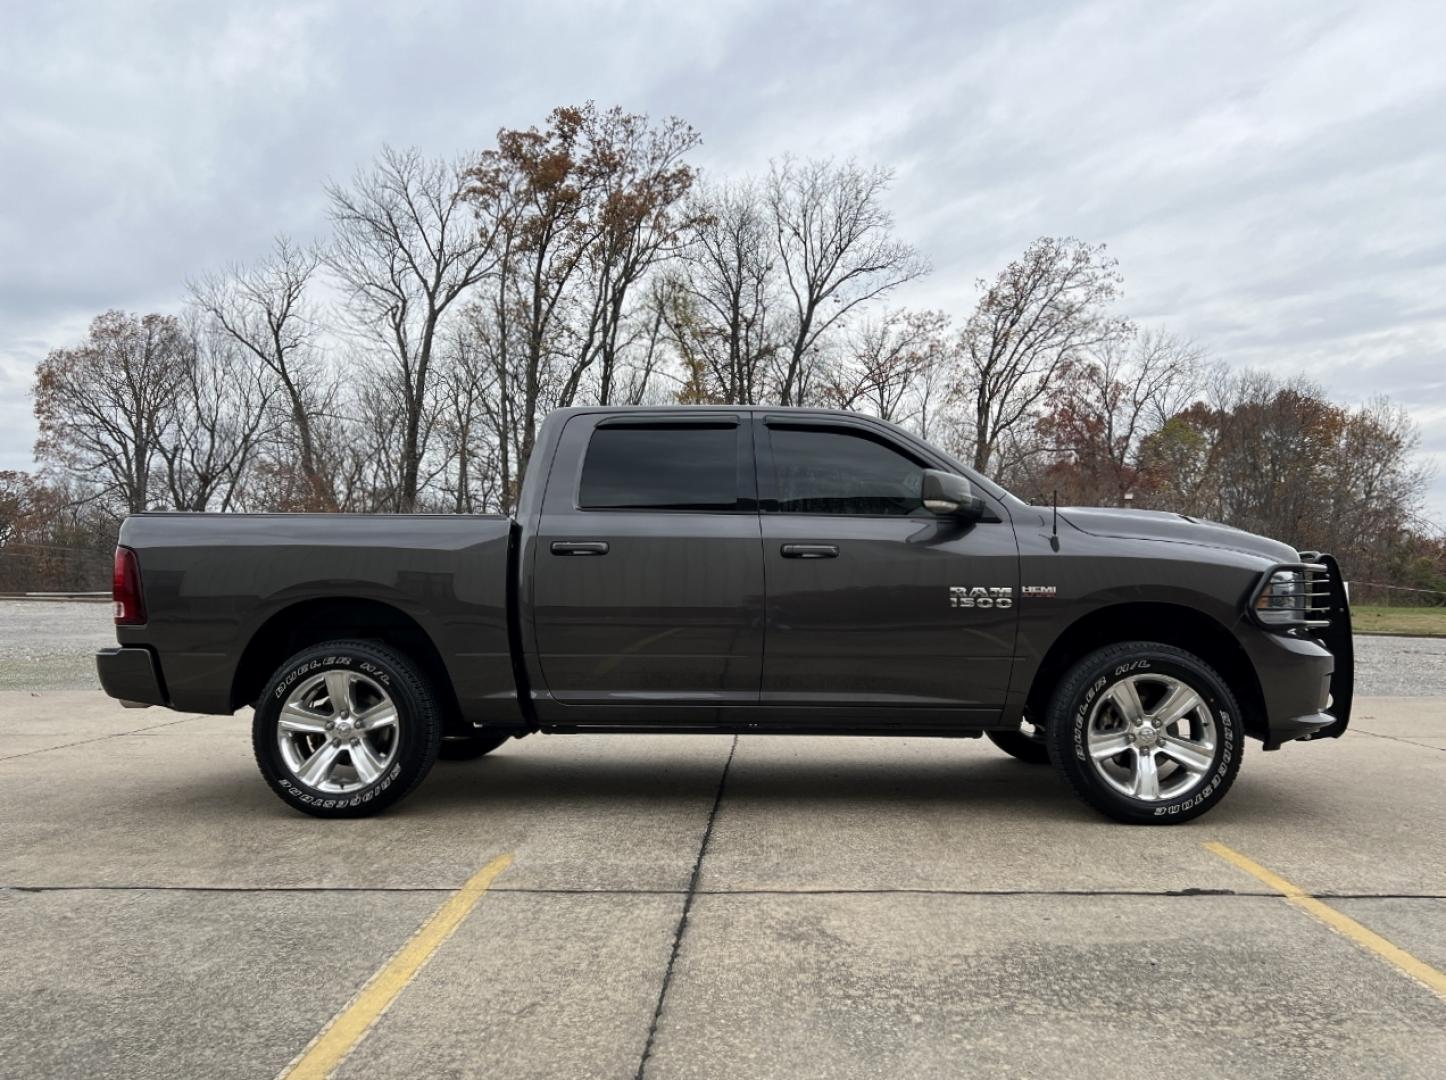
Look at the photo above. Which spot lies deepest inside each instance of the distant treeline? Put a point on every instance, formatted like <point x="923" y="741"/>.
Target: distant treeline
<point x="585" y="261"/>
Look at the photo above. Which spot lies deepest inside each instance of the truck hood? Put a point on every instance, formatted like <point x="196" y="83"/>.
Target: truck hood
<point x="1176" y="528"/>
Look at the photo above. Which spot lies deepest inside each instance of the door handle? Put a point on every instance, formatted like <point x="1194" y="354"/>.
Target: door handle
<point x="579" y="547"/>
<point x="810" y="551"/>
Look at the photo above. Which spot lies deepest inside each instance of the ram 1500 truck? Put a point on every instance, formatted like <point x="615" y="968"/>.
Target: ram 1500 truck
<point x="739" y="570"/>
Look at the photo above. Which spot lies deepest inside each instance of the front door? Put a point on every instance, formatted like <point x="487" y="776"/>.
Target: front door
<point x="873" y="601"/>
<point x="647" y="571"/>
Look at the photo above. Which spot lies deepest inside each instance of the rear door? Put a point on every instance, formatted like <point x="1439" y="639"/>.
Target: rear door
<point x="648" y="570"/>
<point x="867" y="590"/>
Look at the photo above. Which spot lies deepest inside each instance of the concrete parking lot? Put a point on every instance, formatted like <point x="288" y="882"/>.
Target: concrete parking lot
<point x="708" y="906"/>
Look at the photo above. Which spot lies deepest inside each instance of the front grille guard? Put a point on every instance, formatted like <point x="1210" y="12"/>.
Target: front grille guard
<point x="1326" y="617"/>
<point x="1337" y="638"/>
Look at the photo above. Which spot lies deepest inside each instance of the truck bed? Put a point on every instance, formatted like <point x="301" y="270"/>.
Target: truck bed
<point x="212" y="581"/>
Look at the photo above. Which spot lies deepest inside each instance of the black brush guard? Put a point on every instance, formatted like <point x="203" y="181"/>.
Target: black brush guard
<point x="1337" y="638"/>
<point x="1326" y="618"/>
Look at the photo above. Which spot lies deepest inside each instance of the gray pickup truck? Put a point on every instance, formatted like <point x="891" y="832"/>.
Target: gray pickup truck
<point x="741" y="570"/>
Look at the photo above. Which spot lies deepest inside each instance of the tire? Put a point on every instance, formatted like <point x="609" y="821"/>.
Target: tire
<point x="1027" y="748"/>
<point x="470" y="747"/>
<point x="312" y="757"/>
<point x="1193" y="759"/>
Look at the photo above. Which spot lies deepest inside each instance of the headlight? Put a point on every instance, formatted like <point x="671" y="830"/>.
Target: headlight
<point x="1302" y="595"/>
<point x="1283" y="600"/>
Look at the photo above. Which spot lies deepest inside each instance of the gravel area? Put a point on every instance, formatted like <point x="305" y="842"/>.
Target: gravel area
<point x="48" y="646"/>
<point x="1389" y="666"/>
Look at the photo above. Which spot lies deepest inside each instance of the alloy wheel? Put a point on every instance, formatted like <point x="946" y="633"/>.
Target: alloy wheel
<point x="1151" y="737"/>
<point x="338" y="731"/>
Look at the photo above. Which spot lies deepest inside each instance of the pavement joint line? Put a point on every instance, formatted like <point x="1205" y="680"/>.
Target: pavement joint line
<point x="543" y="890"/>
<point x="1399" y="739"/>
<point x="682" y="926"/>
<point x="345" y="1031"/>
<point x="1341" y="923"/>
<point x="102" y="738"/>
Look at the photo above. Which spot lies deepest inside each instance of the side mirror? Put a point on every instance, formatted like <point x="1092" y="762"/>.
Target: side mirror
<point x="950" y="496"/>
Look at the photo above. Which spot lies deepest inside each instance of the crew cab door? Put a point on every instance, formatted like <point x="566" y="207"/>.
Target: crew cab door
<point x="865" y="609"/>
<point x="647" y="574"/>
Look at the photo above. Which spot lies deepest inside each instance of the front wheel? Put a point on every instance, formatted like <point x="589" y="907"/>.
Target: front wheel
<point x="1146" y="733"/>
<point x="345" y="729"/>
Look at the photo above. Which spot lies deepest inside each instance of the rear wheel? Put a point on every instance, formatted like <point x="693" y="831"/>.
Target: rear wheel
<point x="345" y="729"/>
<point x="1146" y="733"/>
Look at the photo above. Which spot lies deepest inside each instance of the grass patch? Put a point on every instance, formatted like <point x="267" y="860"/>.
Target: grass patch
<point x="1415" y="621"/>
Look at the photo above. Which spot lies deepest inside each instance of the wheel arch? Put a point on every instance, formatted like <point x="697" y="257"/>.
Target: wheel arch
<point x="1167" y="623"/>
<point x="310" y="622"/>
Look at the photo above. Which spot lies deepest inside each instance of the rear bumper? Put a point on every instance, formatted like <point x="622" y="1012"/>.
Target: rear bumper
<point x="131" y="674"/>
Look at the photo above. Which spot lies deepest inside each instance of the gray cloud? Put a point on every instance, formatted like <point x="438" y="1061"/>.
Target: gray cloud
<point x="1272" y="179"/>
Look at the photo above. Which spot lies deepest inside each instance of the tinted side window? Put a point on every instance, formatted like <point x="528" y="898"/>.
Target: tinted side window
<point x="686" y="467"/>
<point x="833" y="472"/>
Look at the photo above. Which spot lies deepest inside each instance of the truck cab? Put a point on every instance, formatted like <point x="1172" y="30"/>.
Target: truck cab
<point x="670" y="548"/>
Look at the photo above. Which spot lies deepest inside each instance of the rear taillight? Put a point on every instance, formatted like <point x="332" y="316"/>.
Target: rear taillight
<point x="130" y="606"/>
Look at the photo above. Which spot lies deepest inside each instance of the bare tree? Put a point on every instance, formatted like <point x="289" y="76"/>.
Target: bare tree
<point x="933" y="417"/>
<point x="405" y="249"/>
<point x="1378" y="473"/>
<point x="219" y="422"/>
<point x="373" y="453"/>
<point x="1045" y="309"/>
<point x="836" y="251"/>
<point x="721" y="308"/>
<point x="1100" y="409"/>
<point x="533" y="194"/>
<point x="638" y="181"/>
<point x="54" y="534"/>
<point x="582" y="210"/>
<point x="648" y="354"/>
<point x="467" y="421"/>
<point x="886" y="363"/>
<point x="264" y="310"/>
<point x="104" y="407"/>
<point x="495" y="386"/>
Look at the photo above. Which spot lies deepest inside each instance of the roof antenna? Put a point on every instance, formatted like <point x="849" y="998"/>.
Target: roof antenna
<point x="1054" y="520"/>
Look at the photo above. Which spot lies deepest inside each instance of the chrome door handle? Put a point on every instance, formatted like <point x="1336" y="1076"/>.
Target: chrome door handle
<point x="810" y="551"/>
<point x="579" y="547"/>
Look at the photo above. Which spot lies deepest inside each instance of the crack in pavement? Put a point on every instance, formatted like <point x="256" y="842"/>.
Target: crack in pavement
<point x="103" y="738"/>
<point x="683" y="917"/>
<point x="1399" y="739"/>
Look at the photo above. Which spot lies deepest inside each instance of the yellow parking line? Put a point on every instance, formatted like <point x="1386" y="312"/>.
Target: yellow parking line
<point x="350" y="1026"/>
<point x="1419" y="970"/>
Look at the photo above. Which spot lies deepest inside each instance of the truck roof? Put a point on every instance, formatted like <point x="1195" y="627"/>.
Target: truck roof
<point x="804" y="410"/>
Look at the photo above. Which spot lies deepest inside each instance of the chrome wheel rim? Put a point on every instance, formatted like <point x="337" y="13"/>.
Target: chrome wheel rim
<point x="1151" y="737"/>
<point x="338" y="731"/>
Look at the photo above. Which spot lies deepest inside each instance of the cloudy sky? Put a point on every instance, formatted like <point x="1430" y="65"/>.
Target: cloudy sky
<point x="1272" y="177"/>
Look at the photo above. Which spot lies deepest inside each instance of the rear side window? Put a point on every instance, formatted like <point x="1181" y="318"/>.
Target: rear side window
<point x="660" y="467"/>
<point x="820" y="471"/>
